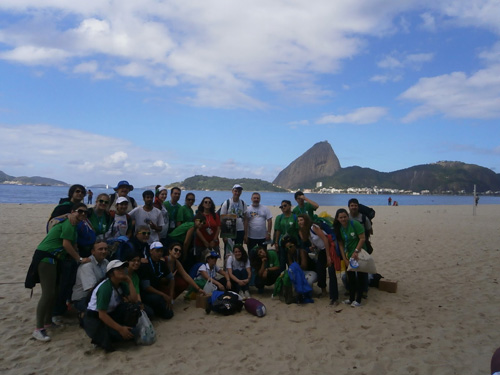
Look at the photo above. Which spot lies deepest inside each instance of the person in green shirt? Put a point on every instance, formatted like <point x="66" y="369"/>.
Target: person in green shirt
<point x="285" y="225"/>
<point x="57" y="243"/>
<point x="267" y="267"/>
<point x="304" y="205"/>
<point x="186" y="213"/>
<point x="351" y="237"/>
<point x="173" y="207"/>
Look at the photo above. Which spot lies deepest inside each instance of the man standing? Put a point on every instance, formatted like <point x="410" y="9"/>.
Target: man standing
<point x="173" y="207"/>
<point x="354" y="214"/>
<point x="258" y="224"/>
<point x="304" y="205"/>
<point x="236" y="206"/>
<point x="123" y="188"/>
<point x="285" y="226"/>
<point x="148" y="215"/>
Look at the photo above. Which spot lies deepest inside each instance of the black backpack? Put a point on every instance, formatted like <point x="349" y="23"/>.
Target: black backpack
<point x="228" y="303"/>
<point x="367" y="211"/>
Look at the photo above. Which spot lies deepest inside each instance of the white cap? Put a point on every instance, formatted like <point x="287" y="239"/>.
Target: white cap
<point x="237" y="186"/>
<point x="156" y="245"/>
<point x="121" y="200"/>
<point x="115" y="264"/>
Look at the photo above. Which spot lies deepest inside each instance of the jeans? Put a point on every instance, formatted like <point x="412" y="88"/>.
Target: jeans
<point x="240" y="275"/>
<point x="158" y="304"/>
<point x="333" y="285"/>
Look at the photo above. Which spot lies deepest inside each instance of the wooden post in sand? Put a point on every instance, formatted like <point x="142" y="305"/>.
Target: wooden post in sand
<point x="474" y="202"/>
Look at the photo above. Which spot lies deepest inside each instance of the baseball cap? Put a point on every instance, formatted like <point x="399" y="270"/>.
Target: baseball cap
<point x="237" y="186"/>
<point x="115" y="264"/>
<point x="121" y="200"/>
<point x="156" y="245"/>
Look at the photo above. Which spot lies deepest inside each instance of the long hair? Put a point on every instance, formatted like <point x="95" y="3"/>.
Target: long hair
<point x="244" y="255"/>
<point x="73" y="188"/>
<point x="337" y="225"/>
<point x="100" y="196"/>
<point x="307" y="226"/>
<point x="201" y="210"/>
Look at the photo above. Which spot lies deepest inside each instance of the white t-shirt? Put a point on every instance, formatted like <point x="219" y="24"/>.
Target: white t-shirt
<point x="234" y="264"/>
<point x="257" y="221"/>
<point x="236" y="208"/>
<point x="143" y="217"/>
<point x="211" y="272"/>
<point x="118" y="228"/>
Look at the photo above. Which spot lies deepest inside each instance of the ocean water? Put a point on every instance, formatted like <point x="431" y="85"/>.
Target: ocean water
<point x="51" y="195"/>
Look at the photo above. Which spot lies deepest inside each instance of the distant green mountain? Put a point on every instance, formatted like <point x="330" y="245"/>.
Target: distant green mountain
<point x="35" y="180"/>
<point x="443" y="176"/>
<point x="199" y="182"/>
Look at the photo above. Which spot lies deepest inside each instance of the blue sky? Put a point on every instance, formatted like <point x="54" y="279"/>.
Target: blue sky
<point x="157" y="91"/>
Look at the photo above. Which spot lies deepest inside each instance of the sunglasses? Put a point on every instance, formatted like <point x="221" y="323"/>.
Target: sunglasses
<point x="145" y="233"/>
<point x="82" y="212"/>
<point x="290" y="247"/>
<point x="207" y="202"/>
<point x="103" y="201"/>
<point x="190" y="199"/>
<point x="78" y="191"/>
<point x="283" y="206"/>
<point x="176" y="249"/>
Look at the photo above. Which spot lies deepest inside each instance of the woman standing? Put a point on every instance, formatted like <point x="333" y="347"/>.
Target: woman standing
<point x="351" y="236"/>
<point x="207" y="237"/>
<point x="315" y="243"/>
<point x="59" y="241"/>
<point x="161" y="197"/>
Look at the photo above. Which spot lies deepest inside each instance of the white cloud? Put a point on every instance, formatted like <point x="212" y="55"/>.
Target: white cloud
<point x="428" y="22"/>
<point x="457" y="95"/>
<point x="79" y="156"/>
<point x="361" y="116"/>
<point x="390" y="62"/>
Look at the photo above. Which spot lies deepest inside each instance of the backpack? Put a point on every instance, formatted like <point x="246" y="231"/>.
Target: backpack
<point x="225" y="303"/>
<point x="367" y="211"/>
<point x="120" y="248"/>
<point x="302" y="288"/>
<point x="228" y="203"/>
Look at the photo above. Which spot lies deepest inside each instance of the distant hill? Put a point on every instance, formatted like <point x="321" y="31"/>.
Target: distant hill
<point x="199" y="182"/>
<point x="443" y="176"/>
<point x="316" y="163"/>
<point x="35" y="180"/>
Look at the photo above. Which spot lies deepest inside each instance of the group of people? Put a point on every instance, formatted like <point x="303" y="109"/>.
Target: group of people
<point x="119" y="256"/>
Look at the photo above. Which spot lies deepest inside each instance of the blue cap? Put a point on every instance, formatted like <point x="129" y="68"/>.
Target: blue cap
<point x="213" y="254"/>
<point x="124" y="183"/>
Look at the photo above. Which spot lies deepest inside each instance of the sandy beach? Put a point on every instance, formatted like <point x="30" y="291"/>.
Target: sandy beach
<point x="444" y="318"/>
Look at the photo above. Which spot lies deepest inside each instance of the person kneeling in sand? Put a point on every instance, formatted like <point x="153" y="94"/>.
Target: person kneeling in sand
<point x="104" y="320"/>
<point x="88" y="276"/>
<point x="208" y="272"/>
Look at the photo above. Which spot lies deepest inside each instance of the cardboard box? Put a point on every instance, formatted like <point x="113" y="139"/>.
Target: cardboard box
<point x="202" y="301"/>
<point x="387" y="285"/>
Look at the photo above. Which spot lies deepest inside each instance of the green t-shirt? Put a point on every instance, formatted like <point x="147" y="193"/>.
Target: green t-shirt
<point x="272" y="260"/>
<point x="179" y="233"/>
<point x="108" y="298"/>
<point x="53" y="241"/>
<point x="185" y="214"/>
<point x="308" y="208"/>
<point x="172" y="210"/>
<point x="287" y="225"/>
<point x="137" y="282"/>
<point x="350" y="236"/>
<point x="100" y="224"/>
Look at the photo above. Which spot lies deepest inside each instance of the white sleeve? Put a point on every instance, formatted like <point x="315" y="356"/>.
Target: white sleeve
<point x="229" y="262"/>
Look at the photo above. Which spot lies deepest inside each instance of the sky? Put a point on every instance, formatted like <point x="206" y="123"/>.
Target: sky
<point x="154" y="91"/>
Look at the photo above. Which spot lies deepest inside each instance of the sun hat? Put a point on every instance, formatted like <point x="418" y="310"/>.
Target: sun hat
<point x="123" y="183"/>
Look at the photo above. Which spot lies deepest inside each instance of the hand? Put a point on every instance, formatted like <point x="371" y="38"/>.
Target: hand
<point x="73" y="219"/>
<point x="85" y="260"/>
<point x="328" y="262"/>
<point x="126" y="333"/>
<point x="268" y="237"/>
<point x="167" y="298"/>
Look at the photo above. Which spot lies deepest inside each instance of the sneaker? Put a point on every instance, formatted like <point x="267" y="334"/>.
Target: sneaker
<point x="247" y="294"/>
<point x="355" y="304"/>
<point x="58" y="320"/>
<point x="347" y="302"/>
<point x="334" y="303"/>
<point x="41" y="335"/>
<point x="242" y="295"/>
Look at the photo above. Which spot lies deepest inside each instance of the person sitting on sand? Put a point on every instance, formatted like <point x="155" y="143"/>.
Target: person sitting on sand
<point x="157" y="282"/>
<point x="181" y="278"/>
<point x="140" y="242"/>
<point x="186" y="235"/>
<point x="208" y="273"/>
<point x="60" y="240"/>
<point x="104" y="320"/>
<point x="89" y="275"/>
<point x="239" y="271"/>
<point x="299" y="255"/>
<point x="351" y="236"/>
<point x="266" y="266"/>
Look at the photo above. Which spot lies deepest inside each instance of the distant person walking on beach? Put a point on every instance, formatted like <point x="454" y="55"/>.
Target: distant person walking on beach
<point x="389" y="201"/>
<point x="90" y="194"/>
